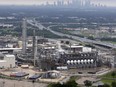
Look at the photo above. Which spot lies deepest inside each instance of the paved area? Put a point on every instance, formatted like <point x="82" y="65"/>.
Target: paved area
<point x="14" y="83"/>
<point x="52" y="80"/>
<point x="30" y="71"/>
<point x="82" y="79"/>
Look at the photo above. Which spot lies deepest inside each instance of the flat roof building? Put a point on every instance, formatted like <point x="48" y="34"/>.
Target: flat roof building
<point x="8" y="61"/>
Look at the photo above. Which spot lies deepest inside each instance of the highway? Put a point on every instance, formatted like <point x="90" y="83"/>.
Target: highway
<point x="35" y="24"/>
<point x="82" y="39"/>
<point x="40" y="26"/>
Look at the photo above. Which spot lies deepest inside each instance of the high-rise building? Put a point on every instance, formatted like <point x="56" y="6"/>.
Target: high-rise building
<point x="76" y="3"/>
<point x="87" y="3"/>
<point x="59" y="3"/>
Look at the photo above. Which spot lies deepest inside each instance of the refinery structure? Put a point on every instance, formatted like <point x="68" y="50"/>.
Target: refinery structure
<point x="49" y="57"/>
<point x="58" y="41"/>
<point x="50" y="54"/>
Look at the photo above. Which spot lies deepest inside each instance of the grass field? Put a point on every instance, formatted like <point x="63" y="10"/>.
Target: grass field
<point x="108" y="78"/>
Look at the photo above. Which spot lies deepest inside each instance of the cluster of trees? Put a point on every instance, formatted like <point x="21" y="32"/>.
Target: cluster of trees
<point x="44" y="33"/>
<point x="74" y="84"/>
<point x="71" y="83"/>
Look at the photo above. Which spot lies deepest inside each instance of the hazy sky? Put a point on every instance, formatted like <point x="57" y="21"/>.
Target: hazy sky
<point x="105" y="2"/>
<point x="38" y="2"/>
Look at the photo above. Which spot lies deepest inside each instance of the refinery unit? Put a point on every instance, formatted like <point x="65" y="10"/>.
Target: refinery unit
<point x="49" y="54"/>
<point x="36" y="58"/>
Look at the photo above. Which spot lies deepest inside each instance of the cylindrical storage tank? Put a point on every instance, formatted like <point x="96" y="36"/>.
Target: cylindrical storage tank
<point x="72" y="61"/>
<point x="89" y="60"/>
<point x="85" y="61"/>
<point x="79" y="61"/>
<point x="75" y="61"/>
<point x="68" y="62"/>
<point x="82" y="61"/>
<point x="92" y="60"/>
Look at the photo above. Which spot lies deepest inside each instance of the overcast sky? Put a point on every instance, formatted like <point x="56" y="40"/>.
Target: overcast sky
<point x="38" y="2"/>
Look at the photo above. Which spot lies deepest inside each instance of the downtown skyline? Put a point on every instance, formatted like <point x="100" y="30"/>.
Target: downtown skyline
<point x="43" y="2"/>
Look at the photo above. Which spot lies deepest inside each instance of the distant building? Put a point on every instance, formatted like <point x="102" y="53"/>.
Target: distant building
<point x="6" y="25"/>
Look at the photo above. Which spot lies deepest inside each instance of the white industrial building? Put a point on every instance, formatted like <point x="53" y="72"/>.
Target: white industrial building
<point x="7" y="61"/>
<point x="79" y="57"/>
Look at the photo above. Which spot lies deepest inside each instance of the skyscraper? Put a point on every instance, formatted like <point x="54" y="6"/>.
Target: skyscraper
<point x="87" y="3"/>
<point x="76" y="3"/>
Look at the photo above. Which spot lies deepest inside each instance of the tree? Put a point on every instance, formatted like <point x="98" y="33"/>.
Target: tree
<point x="113" y="74"/>
<point x="67" y="42"/>
<point x="106" y="85"/>
<point x="55" y="85"/>
<point x="71" y="83"/>
<point x="113" y="84"/>
<point x="87" y="83"/>
<point x="100" y="85"/>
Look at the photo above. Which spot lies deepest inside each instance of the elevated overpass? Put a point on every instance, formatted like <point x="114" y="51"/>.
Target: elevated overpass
<point x="104" y="44"/>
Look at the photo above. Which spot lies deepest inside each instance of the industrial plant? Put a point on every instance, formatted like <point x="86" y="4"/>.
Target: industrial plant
<point x="36" y="58"/>
<point x="50" y="54"/>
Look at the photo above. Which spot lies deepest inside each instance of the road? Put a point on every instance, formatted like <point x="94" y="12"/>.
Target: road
<point x="40" y="26"/>
<point x="81" y="39"/>
<point x="35" y="24"/>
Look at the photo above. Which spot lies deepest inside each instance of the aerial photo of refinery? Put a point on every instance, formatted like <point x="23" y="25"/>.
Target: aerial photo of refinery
<point x="57" y="43"/>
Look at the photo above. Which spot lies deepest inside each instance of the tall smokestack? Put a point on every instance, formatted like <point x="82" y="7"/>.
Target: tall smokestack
<point x="34" y="47"/>
<point x="24" y="35"/>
